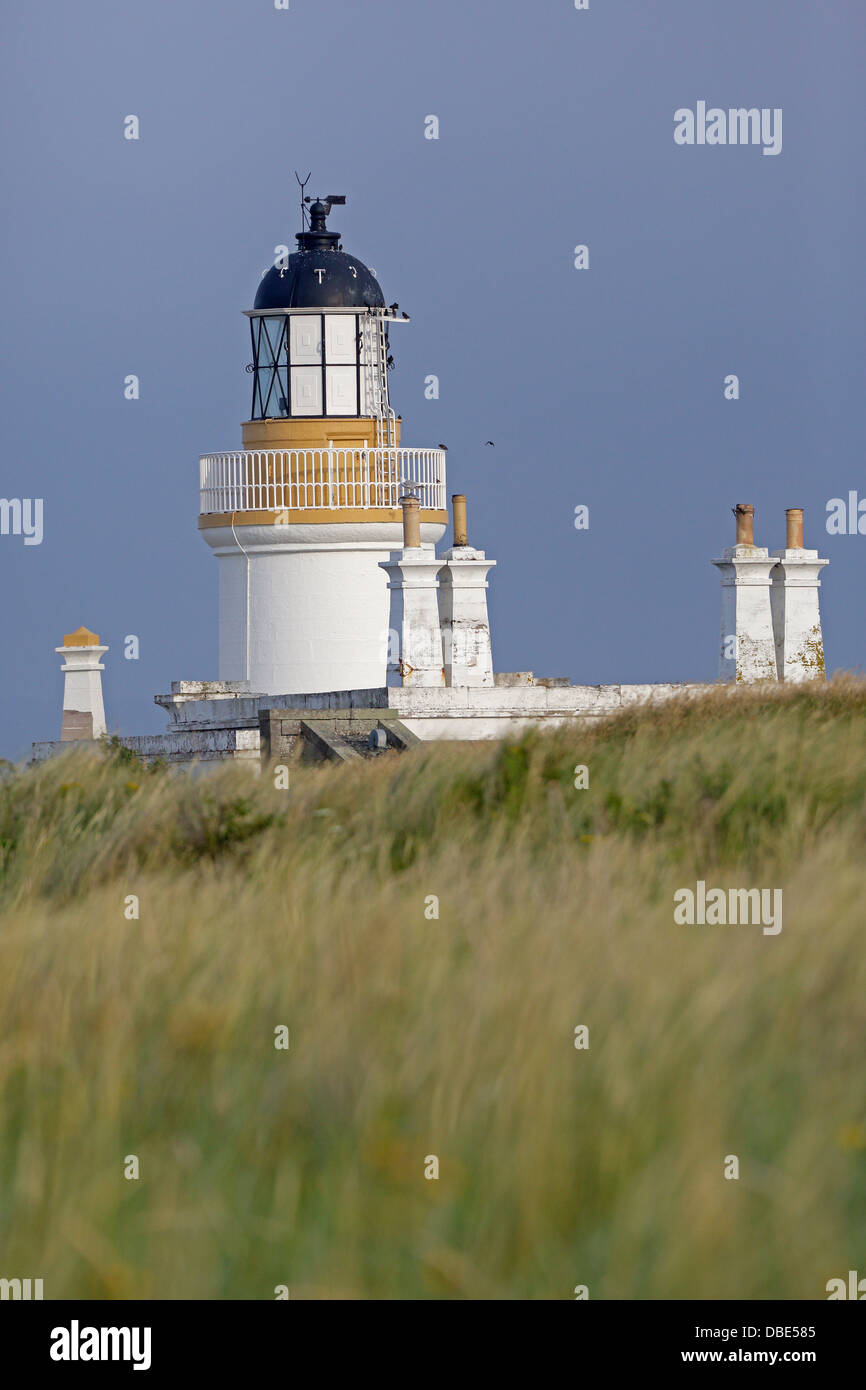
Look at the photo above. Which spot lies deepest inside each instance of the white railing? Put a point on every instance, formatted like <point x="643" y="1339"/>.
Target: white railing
<point x="274" y="480"/>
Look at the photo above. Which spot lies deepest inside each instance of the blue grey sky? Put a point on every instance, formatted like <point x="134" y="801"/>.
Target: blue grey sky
<point x="602" y="387"/>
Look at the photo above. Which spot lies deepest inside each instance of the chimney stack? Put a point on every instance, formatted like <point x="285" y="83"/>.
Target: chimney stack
<point x="796" y="607"/>
<point x="463" y="608"/>
<point x="745" y="514"/>
<point x="411" y="521"/>
<point x="747" y="649"/>
<point x="458" y="504"/>
<point x="414" y="636"/>
<point x="794" y="528"/>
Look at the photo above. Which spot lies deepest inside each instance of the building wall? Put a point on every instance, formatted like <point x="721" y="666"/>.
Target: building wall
<point x="318" y="603"/>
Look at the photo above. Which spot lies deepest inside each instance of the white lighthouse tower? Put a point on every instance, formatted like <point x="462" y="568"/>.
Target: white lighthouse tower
<point x="302" y="516"/>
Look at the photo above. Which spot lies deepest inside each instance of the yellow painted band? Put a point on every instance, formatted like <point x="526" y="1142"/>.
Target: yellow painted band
<point x="313" y="432"/>
<point x="318" y="516"/>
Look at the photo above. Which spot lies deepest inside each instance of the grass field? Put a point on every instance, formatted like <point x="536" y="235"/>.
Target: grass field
<point x="413" y="1036"/>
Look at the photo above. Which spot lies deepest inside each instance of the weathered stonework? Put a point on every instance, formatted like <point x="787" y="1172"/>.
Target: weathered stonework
<point x="414" y="619"/>
<point x="796" y="615"/>
<point x="467" y="651"/>
<point x="747" y="648"/>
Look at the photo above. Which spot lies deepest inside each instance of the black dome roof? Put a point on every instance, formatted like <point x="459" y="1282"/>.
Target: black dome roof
<point x="346" y="282"/>
<point x="318" y="275"/>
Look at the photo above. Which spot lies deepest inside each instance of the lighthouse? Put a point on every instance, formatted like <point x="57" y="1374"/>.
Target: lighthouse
<point x="342" y="633"/>
<point x="302" y="518"/>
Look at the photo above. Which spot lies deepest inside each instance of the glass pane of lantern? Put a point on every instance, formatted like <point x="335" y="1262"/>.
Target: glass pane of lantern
<point x="340" y="338"/>
<point x="342" y="384"/>
<point x="278" y="403"/>
<point x="268" y="340"/>
<point x="306" y="390"/>
<point x="271" y="339"/>
<point x="263" y="384"/>
<point x="306" y="338"/>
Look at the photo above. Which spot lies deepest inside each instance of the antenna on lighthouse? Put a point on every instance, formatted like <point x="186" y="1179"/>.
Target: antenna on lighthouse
<point x="302" y="185"/>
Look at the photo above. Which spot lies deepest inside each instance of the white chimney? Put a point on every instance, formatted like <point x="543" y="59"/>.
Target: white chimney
<point x="83" y="710"/>
<point x="414" y="623"/>
<point x="795" y="604"/>
<point x="748" y="648"/>
<point x="463" y="608"/>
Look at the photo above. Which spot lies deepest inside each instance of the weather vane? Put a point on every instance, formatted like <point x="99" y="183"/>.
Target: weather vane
<point x="332" y="200"/>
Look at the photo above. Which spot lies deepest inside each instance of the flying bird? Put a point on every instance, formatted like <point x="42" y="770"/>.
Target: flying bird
<point x="490" y="442"/>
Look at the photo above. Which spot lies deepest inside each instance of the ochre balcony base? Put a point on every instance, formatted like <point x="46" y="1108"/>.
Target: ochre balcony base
<point x="318" y="516"/>
<point x="314" y="433"/>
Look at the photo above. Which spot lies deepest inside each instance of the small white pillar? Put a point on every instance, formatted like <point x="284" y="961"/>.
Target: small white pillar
<point x="415" y="638"/>
<point x="463" y="608"/>
<point x="796" y="608"/>
<point x="83" y="710"/>
<point x="748" y="648"/>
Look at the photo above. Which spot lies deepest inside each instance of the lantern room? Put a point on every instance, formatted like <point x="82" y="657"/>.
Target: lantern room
<point x="319" y="331"/>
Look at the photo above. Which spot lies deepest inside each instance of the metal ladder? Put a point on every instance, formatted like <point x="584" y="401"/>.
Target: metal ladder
<point x="376" y="366"/>
<point x="387" y="464"/>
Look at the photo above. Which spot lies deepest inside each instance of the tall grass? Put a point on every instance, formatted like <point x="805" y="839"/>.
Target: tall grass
<point x="413" y="1036"/>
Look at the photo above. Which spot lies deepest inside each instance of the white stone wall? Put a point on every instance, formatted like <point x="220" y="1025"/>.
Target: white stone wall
<point x="796" y="615"/>
<point x="467" y="650"/>
<point x="415" y="655"/>
<point x="436" y="704"/>
<point x="318" y="604"/>
<point x="228" y="728"/>
<point x="180" y="746"/>
<point x="747" y="646"/>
